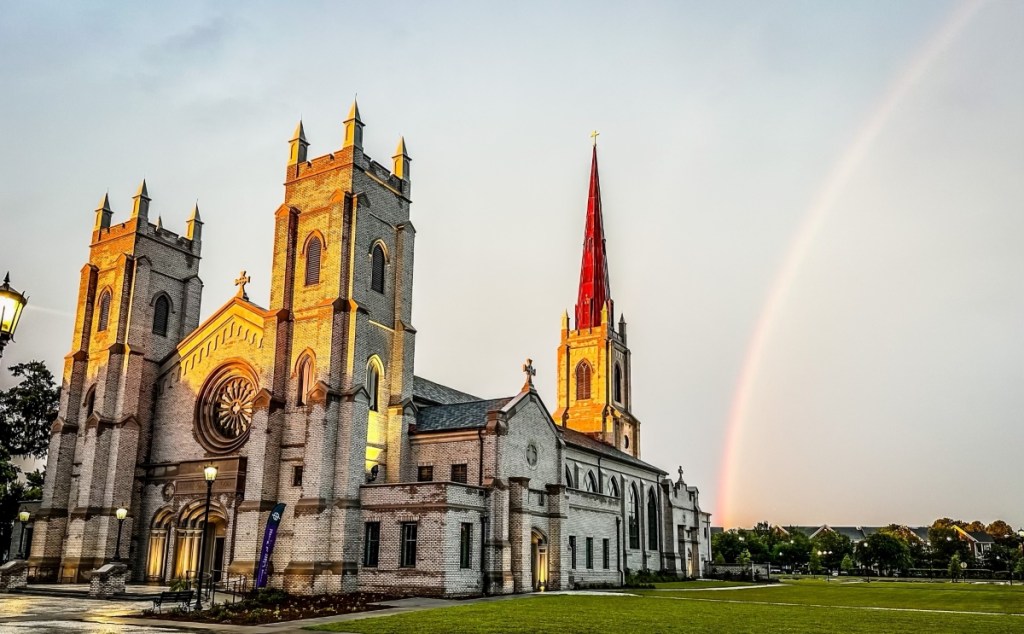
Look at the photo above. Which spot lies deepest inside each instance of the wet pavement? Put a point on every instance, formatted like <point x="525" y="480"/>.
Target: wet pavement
<point x="28" y="613"/>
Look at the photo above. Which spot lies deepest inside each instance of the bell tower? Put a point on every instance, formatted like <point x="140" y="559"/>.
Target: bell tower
<point x="594" y="377"/>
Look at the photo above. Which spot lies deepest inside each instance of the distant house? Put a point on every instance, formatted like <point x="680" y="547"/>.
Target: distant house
<point x="981" y="542"/>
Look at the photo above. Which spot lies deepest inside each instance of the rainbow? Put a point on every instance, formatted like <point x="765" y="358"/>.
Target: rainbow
<point x="847" y="164"/>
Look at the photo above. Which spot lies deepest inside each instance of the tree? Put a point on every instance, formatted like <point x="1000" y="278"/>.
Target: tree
<point x="945" y="541"/>
<point x="28" y="409"/>
<point x="954" y="566"/>
<point x="727" y="545"/>
<point x="975" y="527"/>
<point x="792" y="552"/>
<point x="815" y="562"/>
<point x="847" y="564"/>
<point x="833" y="546"/>
<point x="719" y="559"/>
<point x="1019" y="568"/>
<point x="886" y="551"/>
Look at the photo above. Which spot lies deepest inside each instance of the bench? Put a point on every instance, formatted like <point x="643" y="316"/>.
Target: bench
<point x="182" y="598"/>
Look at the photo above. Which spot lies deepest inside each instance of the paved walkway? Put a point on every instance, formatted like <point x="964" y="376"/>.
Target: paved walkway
<point x="21" y="613"/>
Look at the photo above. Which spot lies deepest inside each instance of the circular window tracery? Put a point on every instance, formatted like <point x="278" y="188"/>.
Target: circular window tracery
<point x="225" y="409"/>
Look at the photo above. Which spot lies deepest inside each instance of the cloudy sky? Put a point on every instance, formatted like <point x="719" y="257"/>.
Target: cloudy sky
<point x="815" y="210"/>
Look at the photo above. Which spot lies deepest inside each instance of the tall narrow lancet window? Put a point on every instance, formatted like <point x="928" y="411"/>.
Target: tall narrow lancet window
<point x="377" y="269"/>
<point x="161" y="314"/>
<point x="568" y="478"/>
<point x="373" y="387"/>
<point x="652" y="521"/>
<point x="304" y="378"/>
<point x="313" y="249"/>
<point x="634" y="518"/>
<point x="591" y="482"/>
<point x="583" y="373"/>
<point x="618" y="383"/>
<point x="90" y="401"/>
<point x="614" y="487"/>
<point x="104" y="316"/>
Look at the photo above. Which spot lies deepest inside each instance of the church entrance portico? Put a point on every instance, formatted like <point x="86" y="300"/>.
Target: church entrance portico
<point x="539" y="560"/>
<point x="189" y="546"/>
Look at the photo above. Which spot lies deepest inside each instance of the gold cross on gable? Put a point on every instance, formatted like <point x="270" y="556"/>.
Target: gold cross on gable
<point x="242" y="280"/>
<point x="529" y="372"/>
<point x="594" y="135"/>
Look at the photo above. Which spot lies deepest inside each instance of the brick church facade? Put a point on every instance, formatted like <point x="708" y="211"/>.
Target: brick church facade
<point x="390" y="481"/>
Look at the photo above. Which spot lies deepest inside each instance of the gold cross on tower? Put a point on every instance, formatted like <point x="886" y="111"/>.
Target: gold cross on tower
<point x="594" y="135"/>
<point x="242" y="280"/>
<point x="530" y="373"/>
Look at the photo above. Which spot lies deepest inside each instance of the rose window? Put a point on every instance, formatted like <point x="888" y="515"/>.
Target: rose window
<point x="225" y="409"/>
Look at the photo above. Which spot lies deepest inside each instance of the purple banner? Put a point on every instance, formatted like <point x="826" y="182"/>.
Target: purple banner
<point x="269" y="537"/>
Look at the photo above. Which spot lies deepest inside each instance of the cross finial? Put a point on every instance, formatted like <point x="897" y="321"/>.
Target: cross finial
<point x="530" y="372"/>
<point x="242" y="280"/>
<point x="680" y="474"/>
<point x="594" y="135"/>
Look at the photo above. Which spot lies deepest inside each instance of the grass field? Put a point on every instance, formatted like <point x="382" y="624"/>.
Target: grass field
<point x="801" y="606"/>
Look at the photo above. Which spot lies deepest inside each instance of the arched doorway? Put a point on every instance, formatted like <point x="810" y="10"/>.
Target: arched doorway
<point x="190" y="538"/>
<point x="539" y="560"/>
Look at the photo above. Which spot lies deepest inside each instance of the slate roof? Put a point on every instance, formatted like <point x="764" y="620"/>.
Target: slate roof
<point x="921" y="532"/>
<point x="471" y="415"/>
<point x="586" y="443"/>
<point x="854" y="533"/>
<point x="981" y="536"/>
<point x="426" y="392"/>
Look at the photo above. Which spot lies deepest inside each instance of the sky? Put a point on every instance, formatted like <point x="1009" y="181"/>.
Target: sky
<point x="814" y="210"/>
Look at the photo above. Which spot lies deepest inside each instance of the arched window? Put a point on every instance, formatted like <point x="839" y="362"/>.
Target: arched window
<point x="634" y="518"/>
<point x="101" y="323"/>
<point x="304" y="379"/>
<point x="625" y="442"/>
<point x="313" y="249"/>
<point x="568" y="478"/>
<point x="614" y="486"/>
<point x="161" y="314"/>
<point x="591" y="483"/>
<point x="377" y="269"/>
<point x="583" y="381"/>
<point x="89" y="403"/>
<point x="373" y="386"/>
<point x="652" y="521"/>
<point x="618" y="383"/>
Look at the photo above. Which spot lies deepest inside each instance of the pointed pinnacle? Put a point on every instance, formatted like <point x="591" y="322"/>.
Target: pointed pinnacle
<point x="353" y="112"/>
<point x="400" y="150"/>
<point x="195" y="214"/>
<point x="104" y="203"/>
<point x="159" y="222"/>
<point x="143" y="191"/>
<point x="300" y="133"/>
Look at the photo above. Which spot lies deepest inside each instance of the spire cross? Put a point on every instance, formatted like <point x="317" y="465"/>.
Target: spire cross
<point x="530" y="372"/>
<point x="680" y="474"/>
<point x="594" y="135"/>
<point x="242" y="280"/>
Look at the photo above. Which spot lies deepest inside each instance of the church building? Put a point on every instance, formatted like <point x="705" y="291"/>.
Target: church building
<point x="391" y="482"/>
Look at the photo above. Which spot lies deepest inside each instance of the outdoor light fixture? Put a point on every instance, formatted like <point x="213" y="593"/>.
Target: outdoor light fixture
<point x="23" y="518"/>
<point x="120" y="514"/>
<point x="209" y="474"/>
<point x="11" y="304"/>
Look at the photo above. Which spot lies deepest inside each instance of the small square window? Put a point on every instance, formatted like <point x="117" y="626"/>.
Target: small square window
<point x="297" y="476"/>
<point x="460" y="473"/>
<point x="425" y="473"/>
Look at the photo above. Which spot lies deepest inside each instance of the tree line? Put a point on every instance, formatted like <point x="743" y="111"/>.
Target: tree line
<point x="891" y="550"/>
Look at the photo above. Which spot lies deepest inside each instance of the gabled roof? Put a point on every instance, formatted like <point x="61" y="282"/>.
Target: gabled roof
<point x="982" y="537"/>
<point x="426" y="393"/>
<point x="471" y="415"/>
<point x="592" y="445"/>
<point x="921" y="532"/>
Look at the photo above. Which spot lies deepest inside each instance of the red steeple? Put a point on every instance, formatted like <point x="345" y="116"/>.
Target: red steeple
<point x="594" y="289"/>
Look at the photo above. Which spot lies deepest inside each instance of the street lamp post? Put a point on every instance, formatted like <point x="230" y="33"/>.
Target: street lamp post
<point x="23" y="518"/>
<point x="11" y="304"/>
<point x="209" y="474"/>
<point x="120" y="514"/>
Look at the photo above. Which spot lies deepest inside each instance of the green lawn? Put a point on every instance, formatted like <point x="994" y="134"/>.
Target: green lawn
<point x="805" y="606"/>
